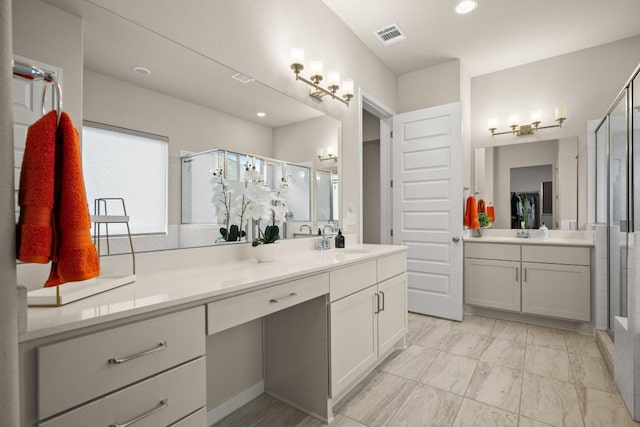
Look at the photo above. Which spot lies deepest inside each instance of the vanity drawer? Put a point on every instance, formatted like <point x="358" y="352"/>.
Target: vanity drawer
<point x="165" y="398"/>
<point x="349" y="280"/>
<point x="497" y="251"/>
<point x="74" y="371"/>
<point x="573" y="255"/>
<point x="391" y="265"/>
<point x="230" y="312"/>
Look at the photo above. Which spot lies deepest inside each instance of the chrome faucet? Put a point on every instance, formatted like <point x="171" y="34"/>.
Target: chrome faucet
<point x="331" y="230"/>
<point x="308" y="226"/>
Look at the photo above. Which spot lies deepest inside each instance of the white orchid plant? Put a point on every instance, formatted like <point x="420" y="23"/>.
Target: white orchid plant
<point x="255" y="201"/>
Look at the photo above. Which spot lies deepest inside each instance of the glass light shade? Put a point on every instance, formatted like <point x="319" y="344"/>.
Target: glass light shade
<point x="333" y="78"/>
<point x="331" y="152"/>
<point x="493" y="123"/>
<point x="347" y="87"/>
<point x="513" y="120"/>
<point x="297" y="55"/>
<point x="315" y="67"/>
<point x="320" y="152"/>
<point x="536" y="116"/>
<point x="561" y="113"/>
<point x="466" y="6"/>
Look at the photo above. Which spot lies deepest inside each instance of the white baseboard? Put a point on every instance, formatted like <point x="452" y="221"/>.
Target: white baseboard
<point x="236" y="402"/>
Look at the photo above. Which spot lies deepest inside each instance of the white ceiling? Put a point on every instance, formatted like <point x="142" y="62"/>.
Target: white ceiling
<point x="499" y="34"/>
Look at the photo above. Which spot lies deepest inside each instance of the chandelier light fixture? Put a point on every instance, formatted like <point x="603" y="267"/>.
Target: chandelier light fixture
<point x="527" y="129"/>
<point x="316" y="71"/>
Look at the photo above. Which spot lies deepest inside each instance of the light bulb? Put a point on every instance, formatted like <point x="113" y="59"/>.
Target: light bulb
<point x="297" y="55"/>
<point x="315" y="67"/>
<point x="347" y="87"/>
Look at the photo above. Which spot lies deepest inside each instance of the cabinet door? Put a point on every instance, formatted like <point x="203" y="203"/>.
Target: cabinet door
<point x="491" y="283"/>
<point x="354" y="337"/>
<point x="392" y="315"/>
<point x="557" y="290"/>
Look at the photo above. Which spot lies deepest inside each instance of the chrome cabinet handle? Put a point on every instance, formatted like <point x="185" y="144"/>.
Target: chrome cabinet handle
<point x="119" y="360"/>
<point x="517" y="275"/>
<point x="163" y="404"/>
<point x="383" y="301"/>
<point x="291" y="295"/>
<point x="525" y="274"/>
<point x="455" y="239"/>
<point x="377" y="309"/>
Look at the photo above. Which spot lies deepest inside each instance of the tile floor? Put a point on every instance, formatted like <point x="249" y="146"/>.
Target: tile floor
<point x="481" y="372"/>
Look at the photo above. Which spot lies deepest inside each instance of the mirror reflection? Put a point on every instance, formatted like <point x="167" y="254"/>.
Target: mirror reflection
<point x="216" y="112"/>
<point x="530" y="183"/>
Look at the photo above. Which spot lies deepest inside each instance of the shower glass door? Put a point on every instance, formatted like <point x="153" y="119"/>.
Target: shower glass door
<point x="618" y="210"/>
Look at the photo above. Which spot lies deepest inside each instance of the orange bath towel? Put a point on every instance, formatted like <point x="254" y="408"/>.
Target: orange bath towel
<point x="471" y="214"/>
<point x="74" y="256"/>
<point x="34" y="231"/>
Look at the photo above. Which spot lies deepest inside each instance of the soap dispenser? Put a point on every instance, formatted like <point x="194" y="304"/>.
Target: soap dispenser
<point x="339" y="240"/>
<point x="544" y="232"/>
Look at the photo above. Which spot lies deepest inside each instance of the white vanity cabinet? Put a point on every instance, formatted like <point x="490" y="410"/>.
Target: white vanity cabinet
<point x="152" y="371"/>
<point x="492" y="275"/>
<point x="556" y="281"/>
<point x="366" y="324"/>
<point x="545" y="280"/>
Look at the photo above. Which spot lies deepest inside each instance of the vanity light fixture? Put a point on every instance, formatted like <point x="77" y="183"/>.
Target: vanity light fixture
<point x="466" y="6"/>
<point x="528" y="129"/>
<point x="316" y="71"/>
<point x="331" y="155"/>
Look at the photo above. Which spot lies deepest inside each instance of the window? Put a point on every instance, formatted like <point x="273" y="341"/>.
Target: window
<point x="129" y="164"/>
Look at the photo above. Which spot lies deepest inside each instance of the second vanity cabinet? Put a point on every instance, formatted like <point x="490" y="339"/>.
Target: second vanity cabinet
<point x="368" y="315"/>
<point x="543" y="280"/>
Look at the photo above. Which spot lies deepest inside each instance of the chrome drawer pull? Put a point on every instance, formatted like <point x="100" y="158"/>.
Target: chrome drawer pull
<point x="119" y="360"/>
<point x="163" y="404"/>
<point x="383" y="301"/>
<point x="291" y="295"/>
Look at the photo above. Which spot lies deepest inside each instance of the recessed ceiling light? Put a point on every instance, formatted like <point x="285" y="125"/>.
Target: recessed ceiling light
<point x="466" y="6"/>
<point x="261" y="114"/>
<point x="143" y="71"/>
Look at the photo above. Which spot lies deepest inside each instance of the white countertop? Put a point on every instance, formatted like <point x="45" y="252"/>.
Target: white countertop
<point x="170" y="288"/>
<point x="556" y="237"/>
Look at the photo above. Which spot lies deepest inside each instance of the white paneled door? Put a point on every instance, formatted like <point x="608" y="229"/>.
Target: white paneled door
<point x="427" y="206"/>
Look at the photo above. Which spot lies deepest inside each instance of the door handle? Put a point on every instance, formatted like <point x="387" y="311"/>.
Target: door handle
<point x="517" y="275"/>
<point x="455" y="239"/>
<point x="377" y="309"/>
<point x="383" y="301"/>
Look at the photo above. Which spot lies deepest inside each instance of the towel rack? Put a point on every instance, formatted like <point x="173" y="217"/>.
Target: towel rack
<point x="31" y="72"/>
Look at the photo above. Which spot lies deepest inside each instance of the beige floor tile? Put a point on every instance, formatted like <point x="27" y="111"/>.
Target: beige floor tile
<point x="550" y="401"/>
<point x="581" y="344"/>
<point x="410" y="363"/>
<point x="378" y="400"/>
<point x="262" y="407"/>
<point x="450" y="372"/>
<point x="546" y="337"/>
<point x="338" y="421"/>
<point x="591" y="372"/>
<point x="474" y="414"/>
<point x="476" y="325"/>
<point x="418" y="325"/>
<point x="496" y="386"/>
<point x="504" y="353"/>
<point x="508" y="330"/>
<point x="427" y="406"/>
<point x="528" y="422"/>
<point x="548" y="363"/>
<point x="434" y="337"/>
<point x="603" y="409"/>
<point x="466" y="344"/>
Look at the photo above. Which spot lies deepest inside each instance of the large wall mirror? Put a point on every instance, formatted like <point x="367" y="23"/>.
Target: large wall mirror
<point x="531" y="183"/>
<point x="199" y="105"/>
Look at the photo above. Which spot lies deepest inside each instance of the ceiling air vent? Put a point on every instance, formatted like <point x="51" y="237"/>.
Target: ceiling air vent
<point x="390" y="34"/>
<point x="242" y="78"/>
